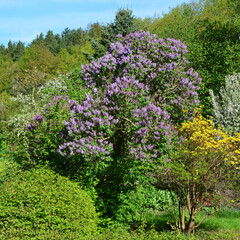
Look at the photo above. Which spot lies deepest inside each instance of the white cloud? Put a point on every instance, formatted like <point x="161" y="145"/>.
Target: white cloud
<point x="28" y="38"/>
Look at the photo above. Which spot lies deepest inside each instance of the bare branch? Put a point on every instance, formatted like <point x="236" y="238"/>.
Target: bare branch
<point x="207" y="215"/>
<point x="105" y="138"/>
<point x="129" y="121"/>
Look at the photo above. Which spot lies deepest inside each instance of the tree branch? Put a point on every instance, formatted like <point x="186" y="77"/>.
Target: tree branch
<point x="129" y="121"/>
<point x="207" y="215"/>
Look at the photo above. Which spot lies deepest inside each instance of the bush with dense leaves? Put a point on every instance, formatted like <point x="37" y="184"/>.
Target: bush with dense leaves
<point x="8" y="167"/>
<point x="39" y="201"/>
<point x="136" y="204"/>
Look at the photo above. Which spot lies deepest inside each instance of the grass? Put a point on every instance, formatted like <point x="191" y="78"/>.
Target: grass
<point x="224" y="224"/>
<point x="227" y="220"/>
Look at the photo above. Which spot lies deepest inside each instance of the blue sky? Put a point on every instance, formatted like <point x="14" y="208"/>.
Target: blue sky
<point x="24" y="19"/>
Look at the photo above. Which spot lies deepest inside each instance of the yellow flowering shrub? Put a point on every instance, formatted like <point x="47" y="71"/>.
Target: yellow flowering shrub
<point x="204" y="165"/>
<point x="201" y="137"/>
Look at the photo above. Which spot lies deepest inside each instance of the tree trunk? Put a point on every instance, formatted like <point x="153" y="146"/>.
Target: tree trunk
<point x="191" y="223"/>
<point x="183" y="226"/>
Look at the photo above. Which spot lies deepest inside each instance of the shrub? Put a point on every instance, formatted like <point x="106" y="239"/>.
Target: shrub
<point x="204" y="167"/>
<point x="8" y="167"/>
<point x="226" y="106"/>
<point x="40" y="146"/>
<point x="39" y="201"/>
<point x="137" y="203"/>
<point x="30" y="104"/>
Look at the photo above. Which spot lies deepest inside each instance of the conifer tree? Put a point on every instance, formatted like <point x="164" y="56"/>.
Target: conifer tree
<point x="11" y="48"/>
<point x="124" y="23"/>
<point x="52" y="41"/>
<point x="19" y="51"/>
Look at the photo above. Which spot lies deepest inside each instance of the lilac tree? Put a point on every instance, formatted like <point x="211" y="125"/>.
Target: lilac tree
<point x="125" y="125"/>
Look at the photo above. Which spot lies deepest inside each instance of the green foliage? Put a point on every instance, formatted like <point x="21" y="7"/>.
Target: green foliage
<point x="75" y="85"/>
<point x="52" y="42"/>
<point x="40" y="57"/>
<point x="4" y="110"/>
<point x="39" y="202"/>
<point x="219" y="234"/>
<point x="95" y="30"/>
<point x="120" y="232"/>
<point x="225" y="224"/>
<point x="75" y="57"/>
<point x="25" y="81"/>
<point x="8" y="167"/>
<point x="123" y="24"/>
<point x="39" y="39"/>
<point x="7" y="68"/>
<point x="35" y="68"/>
<point x="70" y="38"/>
<point x="137" y="203"/>
<point x="228" y="212"/>
<point x="176" y="24"/>
<point x="226" y="106"/>
<point x="218" y="60"/>
<point x="210" y="30"/>
<point x="3" y="49"/>
<point x="15" y="50"/>
<point x="19" y="51"/>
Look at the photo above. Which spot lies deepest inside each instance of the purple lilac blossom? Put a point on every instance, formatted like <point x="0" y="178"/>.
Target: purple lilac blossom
<point x="137" y="88"/>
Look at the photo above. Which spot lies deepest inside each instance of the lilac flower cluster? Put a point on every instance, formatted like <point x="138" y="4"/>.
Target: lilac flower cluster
<point x="122" y="114"/>
<point x="160" y="65"/>
<point x="85" y="127"/>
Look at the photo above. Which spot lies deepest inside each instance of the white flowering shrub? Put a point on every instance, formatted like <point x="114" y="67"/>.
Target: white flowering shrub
<point x="30" y="104"/>
<point x="226" y="106"/>
<point x="53" y="87"/>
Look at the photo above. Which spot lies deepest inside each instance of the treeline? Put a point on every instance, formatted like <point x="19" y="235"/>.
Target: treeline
<point x="24" y="68"/>
<point x="209" y="28"/>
